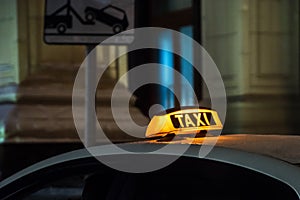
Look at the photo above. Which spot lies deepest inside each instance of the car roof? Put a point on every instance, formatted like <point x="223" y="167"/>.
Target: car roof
<point x="283" y="171"/>
<point x="283" y="147"/>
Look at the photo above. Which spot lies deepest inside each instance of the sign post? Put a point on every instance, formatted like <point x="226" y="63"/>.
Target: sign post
<point x="89" y="22"/>
<point x="90" y="79"/>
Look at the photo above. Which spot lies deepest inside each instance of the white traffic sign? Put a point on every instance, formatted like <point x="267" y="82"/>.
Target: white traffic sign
<point x="88" y="21"/>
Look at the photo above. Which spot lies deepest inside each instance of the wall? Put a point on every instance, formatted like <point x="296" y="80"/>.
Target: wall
<point x="22" y="46"/>
<point x="9" y="43"/>
<point x="254" y="44"/>
<point x="273" y="63"/>
<point x="222" y="38"/>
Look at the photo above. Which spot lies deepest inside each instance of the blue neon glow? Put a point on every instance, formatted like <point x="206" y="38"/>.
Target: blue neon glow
<point x="186" y="69"/>
<point x="2" y="131"/>
<point x="166" y="58"/>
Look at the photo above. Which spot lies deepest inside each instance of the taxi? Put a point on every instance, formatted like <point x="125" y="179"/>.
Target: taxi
<point x="237" y="167"/>
<point x="184" y="121"/>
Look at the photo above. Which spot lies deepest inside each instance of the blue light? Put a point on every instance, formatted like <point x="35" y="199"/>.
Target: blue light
<point x="166" y="58"/>
<point x="186" y="67"/>
<point x="2" y="131"/>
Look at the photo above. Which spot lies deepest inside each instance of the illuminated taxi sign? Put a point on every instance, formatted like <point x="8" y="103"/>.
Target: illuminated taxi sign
<point x="191" y="120"/>
<point x="184" y="121"/>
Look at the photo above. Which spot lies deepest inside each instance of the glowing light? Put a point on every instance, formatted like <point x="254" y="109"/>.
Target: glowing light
<point x="166" y="58"/>
<point x="185" y="121"/>
<point x="2" y="131"/>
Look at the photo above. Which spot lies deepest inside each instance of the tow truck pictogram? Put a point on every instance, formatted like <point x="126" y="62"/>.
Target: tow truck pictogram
<point x="109" y="15"/>
<point x="62" y="22"/>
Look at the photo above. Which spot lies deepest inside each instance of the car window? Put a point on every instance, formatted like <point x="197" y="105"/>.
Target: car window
<point x="114" y="12"/>
<point x="65" y="188"/>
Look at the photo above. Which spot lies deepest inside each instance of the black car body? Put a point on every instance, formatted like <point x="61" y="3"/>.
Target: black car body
<point x="109" y="18"/>
<point x="224" y="174"/>
<point x="59" y="22"/>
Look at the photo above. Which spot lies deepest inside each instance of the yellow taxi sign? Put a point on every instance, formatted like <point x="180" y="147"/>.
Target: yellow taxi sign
<point x="185" y="121"/>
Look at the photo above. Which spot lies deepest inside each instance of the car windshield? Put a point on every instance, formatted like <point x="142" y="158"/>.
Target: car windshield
<point x="114" y="12"/>
<point x="254" y="45"/>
